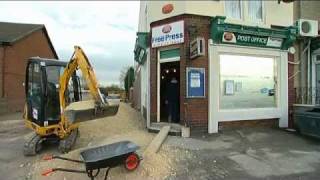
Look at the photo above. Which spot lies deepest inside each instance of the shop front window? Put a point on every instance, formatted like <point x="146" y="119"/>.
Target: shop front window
<point x="247" y="82"/>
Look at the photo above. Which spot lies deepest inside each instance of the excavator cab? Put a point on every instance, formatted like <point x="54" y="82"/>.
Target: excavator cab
<point x="42" y="91"/>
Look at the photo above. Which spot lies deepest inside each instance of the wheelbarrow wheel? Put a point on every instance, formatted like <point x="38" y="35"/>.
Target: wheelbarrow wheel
<point x="132" y="162"/>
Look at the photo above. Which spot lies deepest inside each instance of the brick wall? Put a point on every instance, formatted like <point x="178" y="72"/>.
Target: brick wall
<point x="197" y="109"/>
<point x="265" y="123"/>
<point x="2" y="55"/>
<point x="306" y="10"/>
<point x="15" y="62"/>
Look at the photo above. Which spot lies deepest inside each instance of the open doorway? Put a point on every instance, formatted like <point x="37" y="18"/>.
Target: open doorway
<point x="170" y="92"/>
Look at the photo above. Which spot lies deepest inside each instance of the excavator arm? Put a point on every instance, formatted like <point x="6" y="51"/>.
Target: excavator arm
<point x="80" y="61"/>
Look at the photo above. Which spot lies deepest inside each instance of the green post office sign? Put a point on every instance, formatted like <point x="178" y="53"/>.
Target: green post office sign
<point x="253" y="40"/>
<point x="227" y="33"/>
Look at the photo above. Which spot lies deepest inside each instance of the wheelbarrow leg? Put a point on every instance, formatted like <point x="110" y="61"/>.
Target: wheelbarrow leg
<point x="91" y="175"/>
<point x="49" y="171"/>
<point x="106" y="175"/>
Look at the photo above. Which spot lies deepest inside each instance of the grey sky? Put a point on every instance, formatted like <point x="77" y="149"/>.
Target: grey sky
<point x="106" y="31"/>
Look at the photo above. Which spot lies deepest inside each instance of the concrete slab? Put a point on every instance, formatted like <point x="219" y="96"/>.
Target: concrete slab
<point x="175" y="129"/>
<point x="156" y="143"/>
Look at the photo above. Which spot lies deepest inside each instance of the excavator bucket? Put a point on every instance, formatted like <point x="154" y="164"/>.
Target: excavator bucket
<point x="88" y="110"/>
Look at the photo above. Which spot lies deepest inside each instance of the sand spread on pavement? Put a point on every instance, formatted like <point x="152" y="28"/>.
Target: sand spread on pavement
<point x="126" y="125"/>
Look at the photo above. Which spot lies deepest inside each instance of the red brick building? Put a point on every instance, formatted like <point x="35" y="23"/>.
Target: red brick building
<point x="18" y="42"/>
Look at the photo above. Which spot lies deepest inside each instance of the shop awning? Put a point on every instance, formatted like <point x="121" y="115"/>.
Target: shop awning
<point x="227" y="33"/>
<point x="140" y="50"/>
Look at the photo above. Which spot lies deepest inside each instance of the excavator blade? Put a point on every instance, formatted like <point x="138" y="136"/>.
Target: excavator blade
<point x="87" y="110"/>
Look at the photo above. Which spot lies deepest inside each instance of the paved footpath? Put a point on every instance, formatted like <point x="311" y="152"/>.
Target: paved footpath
<point x="13" y="164"/>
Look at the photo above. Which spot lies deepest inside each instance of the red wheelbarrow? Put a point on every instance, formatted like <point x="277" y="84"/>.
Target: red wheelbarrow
<point x="107" y="156"/>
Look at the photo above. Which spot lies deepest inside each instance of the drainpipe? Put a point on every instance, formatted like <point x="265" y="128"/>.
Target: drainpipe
<point x="305" y="76"/>
<point x="309" y="88"/>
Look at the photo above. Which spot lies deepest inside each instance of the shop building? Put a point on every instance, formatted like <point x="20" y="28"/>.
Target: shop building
<point x="229" y="59"/>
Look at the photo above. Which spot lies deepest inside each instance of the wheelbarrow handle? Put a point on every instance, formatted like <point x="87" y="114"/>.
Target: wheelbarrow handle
<point x="49" y="171"/>
<point x="50" y="157"/>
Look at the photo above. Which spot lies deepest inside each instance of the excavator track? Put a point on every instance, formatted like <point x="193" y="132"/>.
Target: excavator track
<point x="66" y="144"/>
<point x="33" y="145"/>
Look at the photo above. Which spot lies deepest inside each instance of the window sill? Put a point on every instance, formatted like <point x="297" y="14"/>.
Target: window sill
<point x="247" y="22"/>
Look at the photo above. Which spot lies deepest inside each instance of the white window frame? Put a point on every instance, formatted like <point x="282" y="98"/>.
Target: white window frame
<point x="217" y="115"/>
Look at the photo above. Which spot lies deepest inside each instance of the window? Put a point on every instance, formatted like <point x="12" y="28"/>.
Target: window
<point x="255" y="10"/>
<point x="233" y="9"/>
<point x="34" y="91"/>
<point x="247" y="82"/>
<point x="52" y="106"/>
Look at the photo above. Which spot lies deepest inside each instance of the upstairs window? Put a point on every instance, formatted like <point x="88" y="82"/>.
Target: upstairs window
<point x="255" y="10"/>
<point x="233" y="9"/>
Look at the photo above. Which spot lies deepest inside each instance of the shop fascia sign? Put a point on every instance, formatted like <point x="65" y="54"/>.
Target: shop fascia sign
<point x="168" y="34"/>
<point x="252" y="40"/>
<point x="227" y="33"/>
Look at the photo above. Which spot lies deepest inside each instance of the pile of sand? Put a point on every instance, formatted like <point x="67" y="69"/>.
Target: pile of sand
<point x="126" y="125"/>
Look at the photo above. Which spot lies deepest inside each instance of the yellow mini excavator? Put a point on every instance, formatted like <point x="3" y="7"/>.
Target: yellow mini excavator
<point x="54" y="106"/>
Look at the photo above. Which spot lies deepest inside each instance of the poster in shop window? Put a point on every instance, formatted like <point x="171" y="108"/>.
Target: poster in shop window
<point x="195" y="82"/>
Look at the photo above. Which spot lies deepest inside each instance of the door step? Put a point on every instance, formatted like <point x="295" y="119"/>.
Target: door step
<point x="175" y="129"/>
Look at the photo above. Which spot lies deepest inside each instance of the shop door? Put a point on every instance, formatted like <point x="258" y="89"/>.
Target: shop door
<point x="168" y="91"/>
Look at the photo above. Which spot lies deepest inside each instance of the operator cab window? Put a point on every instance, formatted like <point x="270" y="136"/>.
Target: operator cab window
<point x="34" y="82"/>
<point x="53" y="103"/>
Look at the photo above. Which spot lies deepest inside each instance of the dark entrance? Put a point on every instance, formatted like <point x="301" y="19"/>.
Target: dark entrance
<point x="170" y="92"/>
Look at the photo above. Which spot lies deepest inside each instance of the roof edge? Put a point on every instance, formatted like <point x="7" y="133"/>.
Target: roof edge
<point x="49" y="41"/>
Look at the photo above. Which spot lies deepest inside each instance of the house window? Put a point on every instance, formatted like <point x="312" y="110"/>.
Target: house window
<point x="247" y="82"/>
<point x="233" y="9"/>
<point x="255" y="10"/>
